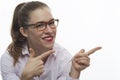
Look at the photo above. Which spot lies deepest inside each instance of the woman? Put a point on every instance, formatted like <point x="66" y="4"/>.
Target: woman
<point x="33" y="53"/>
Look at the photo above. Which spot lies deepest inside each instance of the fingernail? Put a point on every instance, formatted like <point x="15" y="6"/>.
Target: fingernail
<point x="82" y="51"/>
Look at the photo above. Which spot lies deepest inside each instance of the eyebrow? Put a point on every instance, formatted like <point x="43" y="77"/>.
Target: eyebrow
<point x="45" y="21"/>
<point x="38" y="22"/>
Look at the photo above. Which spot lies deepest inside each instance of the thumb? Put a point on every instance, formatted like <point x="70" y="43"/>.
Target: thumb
<point x="82" y="51"/>
<point x="79" y="53"/>
<point x="32" y="53"/>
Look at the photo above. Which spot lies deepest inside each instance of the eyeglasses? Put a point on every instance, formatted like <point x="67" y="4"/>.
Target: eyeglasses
<point x="53" y="23"/>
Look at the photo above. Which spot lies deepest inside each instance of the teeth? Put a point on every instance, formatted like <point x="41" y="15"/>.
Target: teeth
<point x="48" y="38"/>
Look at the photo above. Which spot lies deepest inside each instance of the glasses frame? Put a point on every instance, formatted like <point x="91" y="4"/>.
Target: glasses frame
<point x="46" y="23"/>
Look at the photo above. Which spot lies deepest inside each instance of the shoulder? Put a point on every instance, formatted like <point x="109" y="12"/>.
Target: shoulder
<point x="6" y="57"/>
<point x="6" y="54"/>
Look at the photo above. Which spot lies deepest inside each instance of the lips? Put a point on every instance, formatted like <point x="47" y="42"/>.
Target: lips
<point x="48" y="38"/>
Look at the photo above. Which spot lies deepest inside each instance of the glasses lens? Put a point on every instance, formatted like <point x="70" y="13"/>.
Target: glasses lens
<point x="53" y="23"/>
<point x="40" y="25"/>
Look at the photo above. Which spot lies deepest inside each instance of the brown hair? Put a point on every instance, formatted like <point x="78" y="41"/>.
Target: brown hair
<point x="20" y="19"/>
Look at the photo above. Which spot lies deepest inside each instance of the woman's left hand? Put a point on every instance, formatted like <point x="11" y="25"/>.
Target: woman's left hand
<point x="81" y="61"/>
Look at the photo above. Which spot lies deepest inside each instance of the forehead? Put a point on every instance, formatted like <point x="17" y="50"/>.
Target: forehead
<point x="39" y="14"/>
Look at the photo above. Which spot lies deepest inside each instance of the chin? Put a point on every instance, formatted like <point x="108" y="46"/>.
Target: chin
<point x="50" y="46"/>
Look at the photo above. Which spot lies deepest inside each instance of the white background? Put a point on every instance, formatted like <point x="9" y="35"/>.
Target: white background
<point x="83" y="24"/>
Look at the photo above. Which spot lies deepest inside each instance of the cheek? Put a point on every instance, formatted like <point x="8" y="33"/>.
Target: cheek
<point x="34" y="38"/>
<point x="34" y="35"/>
<point x="55" y="31"/>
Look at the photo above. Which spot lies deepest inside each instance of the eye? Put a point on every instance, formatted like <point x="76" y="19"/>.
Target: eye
<point x="52" y="23"/>
<point x="40" y="25"/>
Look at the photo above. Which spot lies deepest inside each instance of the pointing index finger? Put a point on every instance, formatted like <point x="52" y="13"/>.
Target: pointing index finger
<point x="46" y="54"/>
<point x="93" y="50"/>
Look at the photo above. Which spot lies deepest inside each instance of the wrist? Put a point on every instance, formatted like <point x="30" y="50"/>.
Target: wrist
<point x="25" y="76"/>
<point x="74" y="74"/>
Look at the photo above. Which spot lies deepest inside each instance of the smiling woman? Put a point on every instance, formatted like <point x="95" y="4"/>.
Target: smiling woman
<point x="82" y="24"/>
<point x="33" y="48"/>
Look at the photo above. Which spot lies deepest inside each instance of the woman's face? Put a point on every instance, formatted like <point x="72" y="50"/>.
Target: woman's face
<point x="44" y="38"/>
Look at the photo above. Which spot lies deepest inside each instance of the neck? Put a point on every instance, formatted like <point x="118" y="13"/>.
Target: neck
<point x="38" y="49"/>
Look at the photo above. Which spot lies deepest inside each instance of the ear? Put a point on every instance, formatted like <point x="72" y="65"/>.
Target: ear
<point x="23" y="32"/>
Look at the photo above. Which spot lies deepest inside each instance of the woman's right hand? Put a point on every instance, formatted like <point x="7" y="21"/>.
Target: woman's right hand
<point x="35" y="65"/>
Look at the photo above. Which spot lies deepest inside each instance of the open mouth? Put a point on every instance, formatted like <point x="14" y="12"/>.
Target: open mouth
<point x="48" y="38"/>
